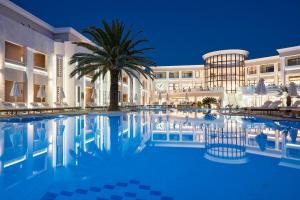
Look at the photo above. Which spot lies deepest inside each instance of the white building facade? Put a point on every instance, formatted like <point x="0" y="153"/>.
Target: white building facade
<point x="227" y="75"/>
<point x="34" y="54"/>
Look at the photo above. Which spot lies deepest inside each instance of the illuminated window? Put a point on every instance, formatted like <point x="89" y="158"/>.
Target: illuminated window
<point x="160" y="75"/>
<point x="174" y="75"/>
<point x="187" y="74"/>
<point x="293" y="61"/>
<point x="39" y="60"/>
<point x="14" y="53"/>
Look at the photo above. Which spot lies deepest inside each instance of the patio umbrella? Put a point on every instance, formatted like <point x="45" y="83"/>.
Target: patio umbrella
<point x="136" y="97"/>
<point x="261" y="140"/>
<point x="186" y="97"/>
<point x="62" y="93"/>
<point x="94" y="94"/>
<point x="159" y="96"/>
<point x="261" y="89"/>
<point x="292" y="90"/>
<point x="15" y="90"/>
<point x="41" y="93"/>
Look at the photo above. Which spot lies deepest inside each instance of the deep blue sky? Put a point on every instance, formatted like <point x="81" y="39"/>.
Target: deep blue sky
<point x="181" y="31"/>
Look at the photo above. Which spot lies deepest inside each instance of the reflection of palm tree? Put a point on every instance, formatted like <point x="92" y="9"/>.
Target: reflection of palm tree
<point x="208" y="116"/>
<point x="293" y="134"/>
<point x="261" y="140"/>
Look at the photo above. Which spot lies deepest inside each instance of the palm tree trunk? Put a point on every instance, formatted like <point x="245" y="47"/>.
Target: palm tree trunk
<point x="114" y="88"/>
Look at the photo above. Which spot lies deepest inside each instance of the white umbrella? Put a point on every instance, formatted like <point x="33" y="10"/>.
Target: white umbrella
<point x="186" y="97"/>
<point x="62" y="93"/>
<point x="94" y="94"/>
<point x="41" y="93"/>
<point x="136" y="97"/>
<point x="15" y="90"/>
<point x="261" y="89"/>
<point x="167" y="97"/>
<point x="293" y="90"/>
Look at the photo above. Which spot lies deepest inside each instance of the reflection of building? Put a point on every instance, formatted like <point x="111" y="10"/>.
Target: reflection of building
<point x="226" y="144"/>
<point x="28" y="148"/>
<point x="224" y="140"/>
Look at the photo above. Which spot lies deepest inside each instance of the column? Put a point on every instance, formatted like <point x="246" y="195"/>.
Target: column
<point x="101" y="90"/>
<point x="282" y="70"/>
<point x="121" y="91"/>
<point x="276" y="73"/>
<point x="51" y="68"/>
<point x="258" y="73"/>
<point x="29" y="75"/>
<point x="131" y="90"/>
<point x="2" y="71"/>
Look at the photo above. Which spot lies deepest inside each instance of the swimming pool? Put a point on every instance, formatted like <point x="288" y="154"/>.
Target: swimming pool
<point x="149" y="155"/>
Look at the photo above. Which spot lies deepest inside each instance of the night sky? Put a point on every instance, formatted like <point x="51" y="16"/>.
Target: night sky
<point x="181" y="31"/>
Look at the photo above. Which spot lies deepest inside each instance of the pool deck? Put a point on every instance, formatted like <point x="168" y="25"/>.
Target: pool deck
<point x="85" y="111"/>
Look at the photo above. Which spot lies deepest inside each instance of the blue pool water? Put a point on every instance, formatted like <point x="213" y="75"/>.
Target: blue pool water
<point x="149" y="155"/>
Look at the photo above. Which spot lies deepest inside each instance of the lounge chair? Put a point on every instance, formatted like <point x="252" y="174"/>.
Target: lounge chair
<point x="91" y="105"/>
<point x="45" y="105"/>
<point x="8" y="105"/>
<point x="268" y="107"/>
<point x="65" y="104"/>
<point x="21" y="105"/>
<point x="291" y="111"/>
<point x="35" y="105"/>
<point x="58" y="104"/>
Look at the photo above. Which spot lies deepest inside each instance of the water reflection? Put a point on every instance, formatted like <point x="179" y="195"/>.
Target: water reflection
<point x="30" y="148"/>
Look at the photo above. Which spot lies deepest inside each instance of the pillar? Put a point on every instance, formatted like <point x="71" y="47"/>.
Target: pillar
<point x="282" y="70"/>
<point x="29" y="75"/>
<point x="2" y="71"/>
<point x="276" y="74"/>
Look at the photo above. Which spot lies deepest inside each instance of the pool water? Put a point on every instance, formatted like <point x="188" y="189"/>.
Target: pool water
<point x="166" y="155"/>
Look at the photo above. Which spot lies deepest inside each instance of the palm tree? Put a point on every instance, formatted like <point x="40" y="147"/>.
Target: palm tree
<point x="208" y="101"/>
<point x="284" y="90"/>
<point x="114" y="50"/>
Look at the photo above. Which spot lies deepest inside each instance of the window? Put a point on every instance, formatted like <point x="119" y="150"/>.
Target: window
<point x="293" y="61"/>
<point x="252" y="70"/>
<point x="160" y="75"/>
<point x="14" y="53"/>
<point x="266" y="68"/>
<point x="174" y="75"/>
<point x="39" y="60"/>
<point x="125" y="80"/>
<point x="8" y="87"/>
<point x="59" y="66"/>
<point x="173" y="86"/>
<point x="187" y="74"/>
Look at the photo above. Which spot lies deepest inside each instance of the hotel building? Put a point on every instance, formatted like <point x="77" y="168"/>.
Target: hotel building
<point x="34" y="54"/>
<point x="227" y="75"/>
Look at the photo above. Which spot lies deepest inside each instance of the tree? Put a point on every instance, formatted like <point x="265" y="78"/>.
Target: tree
<point x="209" y="101"/>
<point x="114" y="49"/>
<point x="284" y="90"/>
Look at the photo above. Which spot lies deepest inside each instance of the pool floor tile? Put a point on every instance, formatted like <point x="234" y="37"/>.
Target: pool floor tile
<point x="81" y="191"/>
<point x="116" y="197"/>
<point x="95" y="189"/>
<point x="130" y="194"/>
